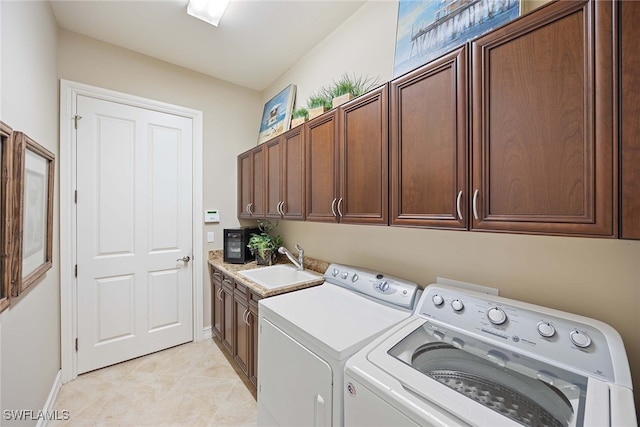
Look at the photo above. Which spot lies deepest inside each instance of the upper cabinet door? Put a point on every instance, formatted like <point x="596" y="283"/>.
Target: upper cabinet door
<point x="364" y="159"/>
<point x="251" y="181"/>
<point x="322" y="168"/>
<point x="629" y="123"/>
<point x="273" y="176"/>
<point x="542" y="123"/>
<point x="293" y="176"/>
<point x="429" y="145"/>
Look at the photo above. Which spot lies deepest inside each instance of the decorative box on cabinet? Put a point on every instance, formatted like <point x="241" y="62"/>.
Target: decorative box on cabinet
<point x="429" y="145"/>
<point x="347" y="162"/>
<point x="543" y="150"/>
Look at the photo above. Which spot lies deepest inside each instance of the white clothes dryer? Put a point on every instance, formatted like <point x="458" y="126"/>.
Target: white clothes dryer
<point x="305" y="338"/>
<point x="467" y="358"/>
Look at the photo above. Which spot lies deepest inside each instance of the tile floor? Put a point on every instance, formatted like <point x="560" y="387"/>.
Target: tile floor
<point x="190" y="385"/>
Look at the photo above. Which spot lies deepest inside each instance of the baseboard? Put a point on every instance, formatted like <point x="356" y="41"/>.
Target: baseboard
<point x="48" y="409"/>
<point x="207" y="334"/>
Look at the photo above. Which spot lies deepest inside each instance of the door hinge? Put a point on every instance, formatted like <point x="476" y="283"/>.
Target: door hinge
<point x="75" y="270"/>
<point x="75" y="197"/>
<point x="76" y="344"/>
<point x="75" y="120"/>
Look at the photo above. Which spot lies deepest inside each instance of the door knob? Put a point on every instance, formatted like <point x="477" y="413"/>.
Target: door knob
<point x="184" y="259"/>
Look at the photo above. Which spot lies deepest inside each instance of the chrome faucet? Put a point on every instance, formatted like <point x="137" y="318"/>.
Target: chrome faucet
<point x="299" y="262"/>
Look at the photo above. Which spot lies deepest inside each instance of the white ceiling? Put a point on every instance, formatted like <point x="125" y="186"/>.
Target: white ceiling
<point x="255" y="43"/>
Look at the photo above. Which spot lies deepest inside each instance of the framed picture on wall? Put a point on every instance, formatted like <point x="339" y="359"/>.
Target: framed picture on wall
<point x="429" y="29"/>
<point x="33" y="212"/>
<point x="276" y="116"/>
<point x="6" y="160"/>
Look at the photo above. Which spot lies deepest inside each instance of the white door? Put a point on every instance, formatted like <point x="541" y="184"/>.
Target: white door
<point x="134" y="227"/>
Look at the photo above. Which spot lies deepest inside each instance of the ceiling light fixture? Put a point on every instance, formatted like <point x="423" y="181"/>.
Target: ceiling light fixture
<point x="210" y="11"/>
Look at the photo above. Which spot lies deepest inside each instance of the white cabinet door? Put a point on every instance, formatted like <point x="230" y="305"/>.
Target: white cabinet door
<point x="294" y="384"/>
<point x="134" y="226"/>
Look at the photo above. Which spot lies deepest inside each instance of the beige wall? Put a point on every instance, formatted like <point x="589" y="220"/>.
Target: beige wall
<point x="598" y="278"/>
<point x="231" y="116"/>
<point x="30" y="328"/>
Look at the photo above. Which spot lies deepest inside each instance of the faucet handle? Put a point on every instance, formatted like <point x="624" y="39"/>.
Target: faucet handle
<point x="299" y="248"/>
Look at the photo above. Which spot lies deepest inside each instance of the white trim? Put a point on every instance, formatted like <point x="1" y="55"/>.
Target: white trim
<point x="207" y="333"/>
<point x="48" y="409"/>
<point x="69" y="91"/>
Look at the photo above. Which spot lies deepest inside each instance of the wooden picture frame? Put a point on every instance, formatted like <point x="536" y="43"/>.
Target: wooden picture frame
<point x="276" y="115"/>
<point x="33" y="212"/>
<point x="6" y="196"/>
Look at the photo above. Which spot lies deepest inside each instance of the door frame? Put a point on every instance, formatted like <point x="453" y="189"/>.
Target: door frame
<point x="69" y="91"/>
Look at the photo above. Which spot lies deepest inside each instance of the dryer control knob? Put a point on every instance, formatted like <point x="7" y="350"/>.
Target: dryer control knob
<point x="437" y="300"/>
<point x="496" y="316"/>
<point x="355" y="278"/>
<point x="580" y="339"/>
<point x="344" y="275"/>
<point x="546" y="329"/>
<point x="457" y="305"/>
<point x="335" y="272"/>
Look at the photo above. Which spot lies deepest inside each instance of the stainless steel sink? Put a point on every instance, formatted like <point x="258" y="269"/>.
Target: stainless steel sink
<point x="277" y="276"/>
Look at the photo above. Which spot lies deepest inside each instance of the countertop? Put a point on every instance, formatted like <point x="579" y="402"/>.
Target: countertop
<point x="216" y="259"/>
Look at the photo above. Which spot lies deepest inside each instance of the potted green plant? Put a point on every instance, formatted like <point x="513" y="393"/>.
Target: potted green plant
<point x="318" y="103"/>
<point x="264" y="245"/>
<point x="348" y="87"/>
<point x="299" y="116"/>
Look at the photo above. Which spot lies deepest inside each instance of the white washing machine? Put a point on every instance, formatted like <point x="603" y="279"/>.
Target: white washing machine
<point x="306" y="336"/>
<point x="466" y="358"/>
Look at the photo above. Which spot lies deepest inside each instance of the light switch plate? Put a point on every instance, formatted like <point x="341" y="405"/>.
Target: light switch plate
<point x="210" y="237"/>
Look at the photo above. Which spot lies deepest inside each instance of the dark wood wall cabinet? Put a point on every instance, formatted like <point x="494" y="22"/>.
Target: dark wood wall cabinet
<point x="629" y="18"/>
<point x="530" y="128"/>
<point x="251" y="170"/>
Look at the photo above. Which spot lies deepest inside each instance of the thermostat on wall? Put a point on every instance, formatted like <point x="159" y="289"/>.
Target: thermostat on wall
<point x="212" y="216"/>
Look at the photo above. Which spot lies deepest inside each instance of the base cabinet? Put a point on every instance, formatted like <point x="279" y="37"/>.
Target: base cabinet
<point x="235" y="321"/>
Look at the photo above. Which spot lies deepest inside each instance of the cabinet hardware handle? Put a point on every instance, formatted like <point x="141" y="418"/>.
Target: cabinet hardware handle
<point x="220" y="294"/>
<point x="458" y="200"/>
<point x="245" y="316"/>
<point x="247" y="208"/>
<point x="278" y="208"/>
<point x="333" y="207"/>
<point x="475" y="204"/>
<point x="250" y="208"/>
<point x="340" y="204"/>
<point x="281" y="207"/>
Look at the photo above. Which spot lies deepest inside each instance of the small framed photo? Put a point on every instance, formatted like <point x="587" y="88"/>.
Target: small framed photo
<point x="276" y="116"/>
<point x="33" y="212"/>
<point x="6" y="196"/>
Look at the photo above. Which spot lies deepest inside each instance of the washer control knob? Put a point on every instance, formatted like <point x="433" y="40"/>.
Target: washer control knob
<point x="546" y="329"/>
<point x="496" y="315"/>
<point x="344" y="275"/>
<point x="580" y="339"/>
<point x="335" y="272"/>
<point x="457" y="305"/>
<point x="355" y="278"/>
<point x="437" y="300"/>
<point x="383" y="286"/>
